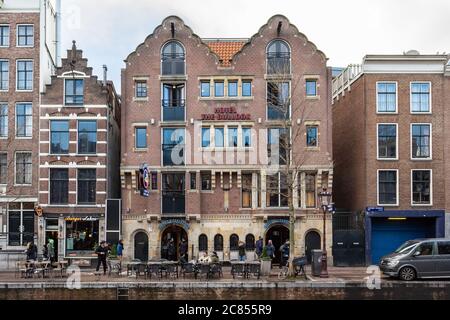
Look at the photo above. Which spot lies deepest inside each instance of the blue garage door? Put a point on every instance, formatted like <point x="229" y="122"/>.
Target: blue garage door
<point x="388" y="235"/>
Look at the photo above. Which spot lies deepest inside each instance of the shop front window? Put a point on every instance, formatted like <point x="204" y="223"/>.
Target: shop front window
<point x="81" y="237"/>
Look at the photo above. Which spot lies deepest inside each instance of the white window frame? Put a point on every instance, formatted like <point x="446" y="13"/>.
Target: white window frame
<point x="15" y="121"/>
<point x="431" y="189"/>
<point x="9" y="75"/>
<point x="17" y="35"/>
<point x="140" y="126"/>
<point x="397" y="188"/>
<point x="396" y="142"/>
<point x="84" y="92"/>
<point x="15" y="168"/>
<point x="50" y="138"/>
<point x="17" y="77"/>
<point x="410" y="98"/>
<point x="9" y="38"/>
<point x="411" y="141"/>
<point x="396" y="97"/>
<point x="77" y="142"/>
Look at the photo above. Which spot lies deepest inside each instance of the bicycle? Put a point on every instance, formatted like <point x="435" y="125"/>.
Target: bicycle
<point x="284" y="272"/>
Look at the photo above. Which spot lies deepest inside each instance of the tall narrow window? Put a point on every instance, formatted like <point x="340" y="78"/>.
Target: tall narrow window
<point x="218" y="88"/>
<point x="206" y="137"/>
<point x="87" y="136"/>
<point x="278" y="145"/>
<point x="278" y="102"/>
<point x="173" y="147"/>
<point x="3" y="120"/>
<point x="4" y="75"/>
<point x="247" y="190"/>
<point x="86" y="186"/>
<point x="24" y="120"/>
<point x="234" y="242"/>
<point x="140" y="137"/>
<point x="218" y="242"/>
<point x="206" y="180"/>
<point x="246" y="137"/>
<point x="59" y="186"/>
<point x="23" y="168"/>
<point x="203" y="242"/>
<point x="193" y="180"/>
<point x="246" y="88"/>
<point x="421" y="187"/>
<point x="141" y="88"/>
<point x="173" y="102"/>
<point x="310" y="190"/>
<point x="74" y="92"/>
<point x="173" y="59"/>
<point x="311" y="88"/>
<point x="420" y="97"/>
<point x="278" y="58"/>
<point x="421" y="141"/>
<point x="24" y="75"/>
<point x="232" y="137"/>
<point x="311" y="136"/>
<point x="386" y="97"/>
<point x="25" y="35"/>
<point x="387" y="141"/>
<point x="277" y="190"/>
<point x="218" y="137"/>
<point x="232" y="88"/>
<point x="3" y="168"/>
<point x="20" y="223"/>
<point x="387" y="187"/>
<point x="205" y="89"/>
<point x="4" y="36"/>
<point x="249" y="242"/>
<point x="59" y="136"/>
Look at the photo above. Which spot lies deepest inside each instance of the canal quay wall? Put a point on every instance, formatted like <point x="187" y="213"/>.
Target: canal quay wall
<point x="225" y="291"/>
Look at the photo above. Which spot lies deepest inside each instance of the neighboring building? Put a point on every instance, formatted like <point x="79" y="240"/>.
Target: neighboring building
<point x="197" y="115"/>
<point x="390" y="144"/>
<point x="28" y="55"/>
<point x="79" y="158"/>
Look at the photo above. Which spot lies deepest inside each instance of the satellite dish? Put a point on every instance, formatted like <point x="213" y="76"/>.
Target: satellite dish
<point x="412" y="53"/>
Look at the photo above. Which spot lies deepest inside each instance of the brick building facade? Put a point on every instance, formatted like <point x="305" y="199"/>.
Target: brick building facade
<point x="198" y="116"/>
<point x="28" y="54"/>
<point x="390" y="145"/>
<point x="79" y="158"/>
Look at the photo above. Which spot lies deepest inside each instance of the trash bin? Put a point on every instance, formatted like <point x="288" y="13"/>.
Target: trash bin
<point x="316" y="262"/>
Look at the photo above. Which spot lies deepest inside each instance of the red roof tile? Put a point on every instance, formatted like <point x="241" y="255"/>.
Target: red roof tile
<point x="225" y="50"/>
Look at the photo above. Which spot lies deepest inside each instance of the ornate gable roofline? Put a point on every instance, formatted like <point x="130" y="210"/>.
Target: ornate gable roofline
<point x="159" y="27"/>
<point x="262" y="28"/>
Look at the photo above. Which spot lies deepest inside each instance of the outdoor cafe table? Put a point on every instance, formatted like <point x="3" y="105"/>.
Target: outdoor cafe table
<point x="41" y="266"/>
<point x="246" y="265"/>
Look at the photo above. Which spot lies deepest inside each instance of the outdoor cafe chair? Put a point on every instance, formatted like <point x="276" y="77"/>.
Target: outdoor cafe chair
<point x="238" y="269"/>
<point x="141" y="270"/>
<point x="188" y="268"/>
<point x="57" y="269"/>
<point x="22" y="269"/>
<point x="171" y="270"/>
<point x="254" y="269"/>
<point x="216" y="269"/>
<point x="154" y="269"/>
<point x="204" y="269"/>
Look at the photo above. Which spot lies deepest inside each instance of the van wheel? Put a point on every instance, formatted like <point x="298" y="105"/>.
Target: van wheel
<point x="407" y="274"/>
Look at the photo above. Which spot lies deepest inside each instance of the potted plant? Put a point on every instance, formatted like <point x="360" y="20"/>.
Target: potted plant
<point x="266" y="263"/>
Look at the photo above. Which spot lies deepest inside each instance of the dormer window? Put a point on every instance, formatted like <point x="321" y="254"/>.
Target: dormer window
<point x="173" y="59"/>
<point x="278" y="58"/>
<point x="74" y="92"/>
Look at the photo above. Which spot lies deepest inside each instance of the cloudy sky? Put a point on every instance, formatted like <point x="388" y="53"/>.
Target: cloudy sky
<point x="346" y="30"/>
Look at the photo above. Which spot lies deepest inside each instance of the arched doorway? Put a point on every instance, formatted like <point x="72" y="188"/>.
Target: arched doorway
<point x="278" y="234"/>
<point x="141" y="246"/>
<point x="312" y="242"/>
<point x="175" y="233"/>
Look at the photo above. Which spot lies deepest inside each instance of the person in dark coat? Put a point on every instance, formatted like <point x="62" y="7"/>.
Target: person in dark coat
<point x="31" y="251"/>
<point x="241" y="249"/>
<point x="165" y="249"/>
<point x="102" y="252"/>
<point x="270" y="250"/>
<point x="171" y="251"/>
<point x="259" y="247"/>
<point x="284" y="253"/>
<point x="183" y="247"/>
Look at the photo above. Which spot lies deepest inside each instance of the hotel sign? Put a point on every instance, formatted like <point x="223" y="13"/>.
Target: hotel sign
<point x="226" y="114"/>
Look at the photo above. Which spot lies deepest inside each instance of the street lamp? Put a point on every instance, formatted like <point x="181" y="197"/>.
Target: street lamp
<point x="325" y="198"/>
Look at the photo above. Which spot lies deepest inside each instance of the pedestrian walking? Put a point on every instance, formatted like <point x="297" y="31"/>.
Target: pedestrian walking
<point x="259" y="247"/>
<point x="270" y="250"/>
<point x="241" y="249"/>
<point x="51" y="250"/>
<point x="120" y="251"/>
<point x="101" y="252"/>
<point x="285" y="249"/>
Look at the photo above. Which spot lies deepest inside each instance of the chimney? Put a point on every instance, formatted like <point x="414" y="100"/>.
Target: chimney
<point x="105" y="74"/>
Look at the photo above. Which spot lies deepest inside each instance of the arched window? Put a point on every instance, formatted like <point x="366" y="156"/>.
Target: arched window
<point x="249" y="242"/>
<point x="234" y="242"/>
<point x="278" y="58"/>
<point x="173" y="59"/>
<point x="218" y="242"/>
<point x="203" y="242"/>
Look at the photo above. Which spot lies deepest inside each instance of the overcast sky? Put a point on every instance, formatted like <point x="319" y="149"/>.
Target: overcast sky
<point x="345" y="30"/>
